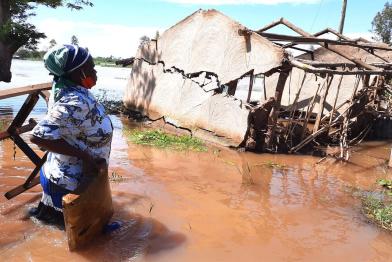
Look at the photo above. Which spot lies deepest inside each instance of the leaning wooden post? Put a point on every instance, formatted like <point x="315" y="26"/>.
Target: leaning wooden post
<point x="232" y="87"/>
<point x="251" y="81"/>
<point x="322" y="103"/>
<point x="284" y="74"/>
<point x="336" y="100"/>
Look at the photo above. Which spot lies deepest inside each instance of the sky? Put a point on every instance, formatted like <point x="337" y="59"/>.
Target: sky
<point x="114" y="27"/>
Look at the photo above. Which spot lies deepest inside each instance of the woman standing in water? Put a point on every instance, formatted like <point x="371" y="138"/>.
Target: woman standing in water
<point x="76" y="131"/>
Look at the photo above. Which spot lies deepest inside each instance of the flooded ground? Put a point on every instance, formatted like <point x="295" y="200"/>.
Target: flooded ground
<point x="218" y="205"/>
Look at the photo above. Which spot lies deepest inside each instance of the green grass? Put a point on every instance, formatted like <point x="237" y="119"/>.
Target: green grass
<point x="379" y="211"/>
<point x="272" y="164"/>
<point x="161" y="139"/>
<point x="387" y="185"/>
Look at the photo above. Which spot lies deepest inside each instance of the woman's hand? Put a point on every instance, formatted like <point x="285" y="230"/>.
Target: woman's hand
<point x="94" y="165"/>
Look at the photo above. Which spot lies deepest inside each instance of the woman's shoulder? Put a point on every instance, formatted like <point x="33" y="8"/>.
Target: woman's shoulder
<point x="74" y="96"/>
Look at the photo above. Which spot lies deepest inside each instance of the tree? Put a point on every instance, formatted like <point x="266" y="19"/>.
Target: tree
<point x="144" y="40"/>
<point x="382" y="24"/>
<point x="52" y="43"/>
<point x="74" y="40"/>
<point x="16" y="31"/>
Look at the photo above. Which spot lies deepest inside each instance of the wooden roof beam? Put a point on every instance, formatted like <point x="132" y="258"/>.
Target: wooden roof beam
<point x="269" y="26"/>
<point x="316" y="40"/>
<point x="329" y="30"/>
<point x="314" y="70"/>
<point x="303" y="33"/>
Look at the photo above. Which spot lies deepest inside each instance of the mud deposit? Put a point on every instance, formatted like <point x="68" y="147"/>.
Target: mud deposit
<point x="218" y="205"/>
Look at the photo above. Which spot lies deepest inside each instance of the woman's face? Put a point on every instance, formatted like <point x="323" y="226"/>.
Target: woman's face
<point x="89" y="69"/>
<point x="86" y="75"/>
<point x="89" y="74"/>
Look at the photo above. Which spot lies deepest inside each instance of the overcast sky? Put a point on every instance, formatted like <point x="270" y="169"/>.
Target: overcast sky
<point x="114" y="27"/>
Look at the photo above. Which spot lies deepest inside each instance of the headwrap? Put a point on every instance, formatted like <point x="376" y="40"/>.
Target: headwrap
<point x="62" y="60"/>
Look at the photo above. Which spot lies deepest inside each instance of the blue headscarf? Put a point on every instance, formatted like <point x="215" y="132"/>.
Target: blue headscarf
<point x="62" y="60"/>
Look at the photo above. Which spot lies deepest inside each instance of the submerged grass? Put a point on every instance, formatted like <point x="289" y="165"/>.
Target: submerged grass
<point x="161" y="139"/>
<point x="116" y="178"/>
<point x="378" y="208"/>
<point x="379" y="211"/>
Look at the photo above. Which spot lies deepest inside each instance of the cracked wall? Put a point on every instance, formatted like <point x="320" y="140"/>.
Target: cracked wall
<point x="179" y="77"/>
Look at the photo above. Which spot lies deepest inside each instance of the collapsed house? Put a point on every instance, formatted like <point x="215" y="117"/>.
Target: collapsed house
<point x="212" y="76"/>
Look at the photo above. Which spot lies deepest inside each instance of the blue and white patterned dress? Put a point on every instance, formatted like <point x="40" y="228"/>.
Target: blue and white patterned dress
<point x="81" y="121"/>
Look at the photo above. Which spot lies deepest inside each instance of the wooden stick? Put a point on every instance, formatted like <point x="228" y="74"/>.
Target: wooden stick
<point x="330" y="30"/>
<point x="274" y="112"/>
<point x="269" y="26"/>
<point x="333" y="64"/>
<point x="311" y="69"/>
<point x="295" y="106"/>
<point x="265" y="88"/>
<point x="319" y="132"/>
<point x="344" y="153"/>
<point x="312" y="136"/>
<point x="324" y="42"/>
<point x="251" y="81"/>
<point x="336" y="99"/>
<point x="322" y="103"/>
<point x="309" y="111"/>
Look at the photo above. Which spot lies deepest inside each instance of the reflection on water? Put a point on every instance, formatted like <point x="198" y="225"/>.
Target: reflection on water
<point x="214" y="206"/>
<point x="219" y="205"/>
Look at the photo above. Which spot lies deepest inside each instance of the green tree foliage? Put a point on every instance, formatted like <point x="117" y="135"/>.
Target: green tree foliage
<point x="382" y="24"/>
<point x="16" y="31"/>
<point x="52" y="43"/>
<point x="144" y="40"/>
<point x="29" y="54"/>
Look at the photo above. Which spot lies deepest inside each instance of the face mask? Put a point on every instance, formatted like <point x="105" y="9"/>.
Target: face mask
<point x="87" y="81"/>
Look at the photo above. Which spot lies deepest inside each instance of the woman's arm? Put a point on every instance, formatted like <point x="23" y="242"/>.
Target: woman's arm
<point x="60" y="146"/>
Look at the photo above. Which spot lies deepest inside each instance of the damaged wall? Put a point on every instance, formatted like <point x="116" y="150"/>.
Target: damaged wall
<point x="311" y="83"/>
<point x="180" y="76"/>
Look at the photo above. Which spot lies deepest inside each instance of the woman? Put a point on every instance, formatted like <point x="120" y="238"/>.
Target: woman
<point x="76" y="131"/>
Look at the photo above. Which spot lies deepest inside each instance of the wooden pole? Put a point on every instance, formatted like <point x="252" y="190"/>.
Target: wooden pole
<point x="344" y="146"/>
<point x="336" y="100"/>
<point x="294" y="107"/>
<point x="322" y="103"/>
<point x="275" y="110"/>
<point x="232" y="87"/>
<point x="314" y="70"/>
<point x="343" y="16"/>
<point x="251" y="81"/>
<point x="310" y="111"/>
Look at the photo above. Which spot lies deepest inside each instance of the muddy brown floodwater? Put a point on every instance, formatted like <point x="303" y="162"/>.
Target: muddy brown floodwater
<point x="215" y="206"/>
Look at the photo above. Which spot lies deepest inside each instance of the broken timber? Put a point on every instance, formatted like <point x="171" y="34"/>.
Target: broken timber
<point x="191" y="77"/>
<point x="15" y="129"/>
